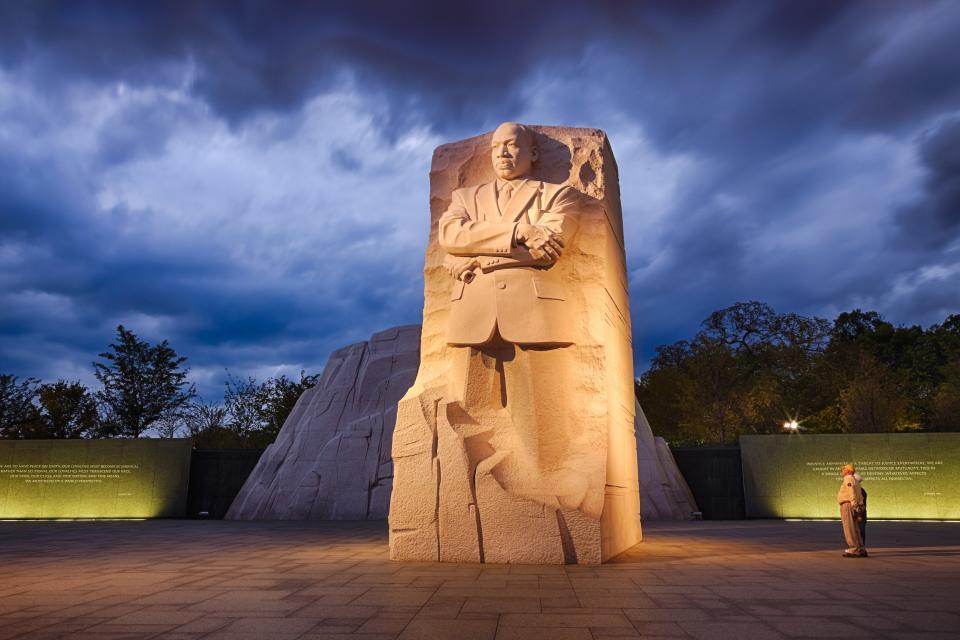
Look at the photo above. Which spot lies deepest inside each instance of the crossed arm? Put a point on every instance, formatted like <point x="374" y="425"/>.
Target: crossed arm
<point x="490" y="245"/>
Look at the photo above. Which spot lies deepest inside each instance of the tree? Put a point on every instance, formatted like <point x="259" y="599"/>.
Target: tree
<point x="67" y="410"/>
<point x="279" y="395"/>
<point x="873" y="401"/>
<point x="244" y="404"/>
<point x="206" y="425"/>
<point x="170" y="426"/>
<point x="857" y="325"/>
<point x="746" y="370"/>
<point x="945" y="409"/>
<point x="257" y="411"/>
<point x="142" y="385"/>
<point x="18" y="413"/>
<point x="912" y="358"/>
<point x="200" y="417"/>
<point x="749" y="369"/>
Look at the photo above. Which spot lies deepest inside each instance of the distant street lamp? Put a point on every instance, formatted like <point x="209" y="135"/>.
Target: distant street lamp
<point x="791" y="425"/>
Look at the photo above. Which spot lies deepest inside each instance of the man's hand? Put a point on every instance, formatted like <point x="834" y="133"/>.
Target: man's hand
<point x="461" y="268"/>
<point x="541" y="241"/>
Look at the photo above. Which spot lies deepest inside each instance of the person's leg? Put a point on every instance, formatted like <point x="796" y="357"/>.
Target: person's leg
<point x="851" y="531"/>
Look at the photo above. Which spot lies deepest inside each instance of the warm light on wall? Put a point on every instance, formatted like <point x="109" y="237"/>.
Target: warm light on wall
<point x="906" y="475"/>
<point x="92" y="479"/>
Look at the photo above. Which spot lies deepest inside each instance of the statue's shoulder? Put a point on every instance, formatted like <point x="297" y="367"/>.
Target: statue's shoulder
<point x="553" y="188"/>
<point x="554" y="192"/>
<point x="468" y="193"/>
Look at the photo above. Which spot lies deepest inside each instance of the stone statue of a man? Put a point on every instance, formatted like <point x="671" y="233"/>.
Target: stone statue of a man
<point x="502" y="237"/>
<point x="511" y="321"/>
<point x="502" y="449"/>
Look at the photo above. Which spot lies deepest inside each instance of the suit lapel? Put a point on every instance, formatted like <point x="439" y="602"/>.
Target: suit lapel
<point x="487" y="203"/>
<point x="521" y="200"/>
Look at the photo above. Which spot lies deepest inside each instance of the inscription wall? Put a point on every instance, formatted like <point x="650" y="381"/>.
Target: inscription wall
<point x="94" y="478"/>
<point x="906" y="475"/>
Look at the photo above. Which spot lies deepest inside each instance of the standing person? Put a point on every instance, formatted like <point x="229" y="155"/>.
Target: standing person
<point x="851" y="502"/>
<point x="862" y="516"/>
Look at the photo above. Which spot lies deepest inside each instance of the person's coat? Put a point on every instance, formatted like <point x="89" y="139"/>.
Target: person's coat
<point x="850" y="492"/>
<point x="525" y="298"/>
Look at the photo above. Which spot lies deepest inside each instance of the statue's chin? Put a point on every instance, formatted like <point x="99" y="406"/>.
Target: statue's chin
<point x="507" y="174"/>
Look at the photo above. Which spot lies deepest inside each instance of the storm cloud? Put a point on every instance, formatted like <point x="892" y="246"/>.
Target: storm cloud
<point x="249" y="179"/>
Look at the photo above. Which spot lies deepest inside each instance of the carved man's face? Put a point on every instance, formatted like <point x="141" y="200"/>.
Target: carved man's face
<point x="513" y="151"/>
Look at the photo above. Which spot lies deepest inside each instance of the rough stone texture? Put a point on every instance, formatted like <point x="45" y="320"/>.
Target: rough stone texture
<point x="448" y="506"/>
<point x="353" y="382"/>
<point x="664" y="494"/>
<point x="331" y="460"/>
<point x="367" y="378"/>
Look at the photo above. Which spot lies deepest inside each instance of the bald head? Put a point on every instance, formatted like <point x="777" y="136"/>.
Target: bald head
<point x="513" y="151"/>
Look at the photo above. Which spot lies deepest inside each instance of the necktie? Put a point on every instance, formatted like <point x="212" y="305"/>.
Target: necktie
<point x="503" y="198"/>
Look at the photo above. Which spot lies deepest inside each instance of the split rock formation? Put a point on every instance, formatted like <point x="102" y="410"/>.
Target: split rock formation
<point x="303" y="477"/>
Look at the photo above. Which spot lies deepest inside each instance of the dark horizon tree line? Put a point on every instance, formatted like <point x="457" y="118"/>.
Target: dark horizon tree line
<point x="747" y="370"/>
<point x="144" y="388"/>
<point x="751" y="370"/>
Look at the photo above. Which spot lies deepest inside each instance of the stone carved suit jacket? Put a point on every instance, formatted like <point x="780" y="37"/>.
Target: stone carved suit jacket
<point x="524" y="297"/>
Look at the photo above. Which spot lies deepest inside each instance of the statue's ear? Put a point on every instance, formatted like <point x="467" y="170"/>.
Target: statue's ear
<point x="535" y="153"/>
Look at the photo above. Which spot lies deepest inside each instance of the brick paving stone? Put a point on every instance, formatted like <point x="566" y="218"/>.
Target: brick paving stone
<point x="108" y="628"/>
<point x="103" y="635"/>
<point x="525" y="633"/>
<point x="633" y="601"/>
<point x="157" y="615"/>
<point x="324" y="611"/>
<point x="671" y="615"/>
<point x="204" y="625"/>
<point x="559" y="602"/>
<point x="730" y="630"/>
<point x="306" y="580"/>
<point x="820" y="628"/>
<point x="927" y="620"/>
<point x="614" y="632"/>
<point x="478" y="615"/>
<point x="182" y="597"/>
<point x="389" y="626"/>
<point x="449" y="630"/>
<point x="440" y="611"/>
<point x="394" y="597"/>
<point x="341" y="624"/>
<point x="558" y="619"/>
<point x="225" y="605"/>
<point x="253" y="635"/>
<point x="346" y="636"/>
<point x="502" y="605"/>
<point x="279" y="625"/>
<point x="659" y="629"/>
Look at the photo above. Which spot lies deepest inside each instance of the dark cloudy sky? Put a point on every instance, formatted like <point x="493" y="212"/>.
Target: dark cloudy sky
<point x="249" y="179"/>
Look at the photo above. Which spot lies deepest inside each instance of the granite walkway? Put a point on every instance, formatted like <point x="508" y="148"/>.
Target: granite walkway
<point x="299" y="581"/>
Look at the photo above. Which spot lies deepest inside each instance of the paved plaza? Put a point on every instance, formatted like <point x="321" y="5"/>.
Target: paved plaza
<point x="293" y="580"/>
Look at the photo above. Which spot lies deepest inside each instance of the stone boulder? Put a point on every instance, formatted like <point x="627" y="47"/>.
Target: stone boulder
<point x="664" y="494"/>
<point x="331" y="460"/>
